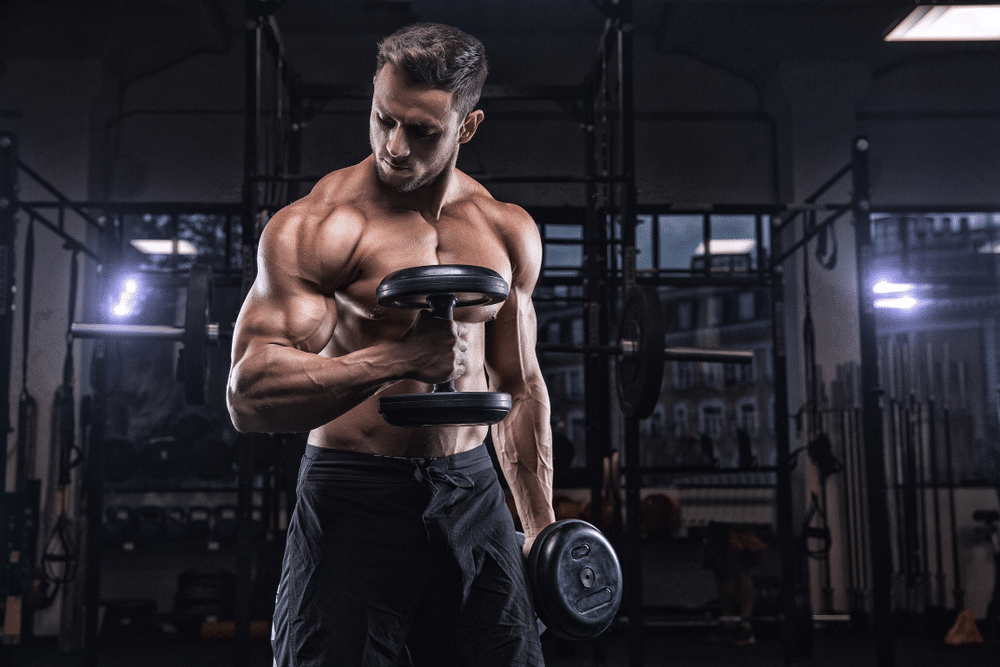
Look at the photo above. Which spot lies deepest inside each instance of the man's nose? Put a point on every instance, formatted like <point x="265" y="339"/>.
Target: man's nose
<point x="396" y="144"/>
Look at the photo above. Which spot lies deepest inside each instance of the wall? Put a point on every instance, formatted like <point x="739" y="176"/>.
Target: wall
<point x="170" y="129"/>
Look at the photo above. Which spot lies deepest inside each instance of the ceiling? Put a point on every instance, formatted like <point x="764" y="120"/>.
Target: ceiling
<point x="746" y="37"/>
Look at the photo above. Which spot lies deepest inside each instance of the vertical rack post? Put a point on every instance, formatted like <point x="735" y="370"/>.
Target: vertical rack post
<point x="8" y="257"/>
<point x="871" y="415"/>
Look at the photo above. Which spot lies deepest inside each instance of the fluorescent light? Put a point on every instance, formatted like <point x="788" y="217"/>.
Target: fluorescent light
<point x="163" y="247"/>
<point x="897" y="302"/>
<point x="886" y="287"/>
<point x="943" y="23"/>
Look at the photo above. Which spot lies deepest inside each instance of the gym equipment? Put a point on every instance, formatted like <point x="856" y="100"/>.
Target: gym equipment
<point x="991" y="527"/>
<point x="203" y="594"/>
<point x="640" y="353"/>
<point x="163" y="456"/>
<point x="121" y="459"/>
<point x="149" y="524"/>
<point x="196" y="335"/>
<point x="119" y="526"/>
<point x="224" y="525"/>
<point x="575" y="579"/>
<point x="199" y="522"/>
<point x="175" y="527"/>
<point x="442" y="288"/>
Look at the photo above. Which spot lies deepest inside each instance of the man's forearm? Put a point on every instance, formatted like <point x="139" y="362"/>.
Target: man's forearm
<point x="284" y="390"/>
<point x="524" y="449"/>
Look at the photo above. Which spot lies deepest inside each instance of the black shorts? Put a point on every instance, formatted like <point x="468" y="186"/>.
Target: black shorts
<point x="387" y="552"/>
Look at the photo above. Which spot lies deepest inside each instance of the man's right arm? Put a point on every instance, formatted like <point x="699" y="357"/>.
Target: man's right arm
<point x="278" y="381"/>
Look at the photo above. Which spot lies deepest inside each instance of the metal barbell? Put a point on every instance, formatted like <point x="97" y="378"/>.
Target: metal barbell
<point x="640" y="354"/>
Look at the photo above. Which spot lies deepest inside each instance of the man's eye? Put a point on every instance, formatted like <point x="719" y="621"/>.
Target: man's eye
<point x="385" y="121"/>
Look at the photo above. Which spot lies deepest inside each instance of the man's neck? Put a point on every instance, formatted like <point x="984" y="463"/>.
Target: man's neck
<point x="428" y="200"/>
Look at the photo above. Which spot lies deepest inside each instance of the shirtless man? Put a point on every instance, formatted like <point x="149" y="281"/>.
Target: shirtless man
<point x="400" y="536"/>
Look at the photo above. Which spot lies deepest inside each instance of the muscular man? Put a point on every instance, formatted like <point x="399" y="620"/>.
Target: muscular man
<point x="400" y="536"/>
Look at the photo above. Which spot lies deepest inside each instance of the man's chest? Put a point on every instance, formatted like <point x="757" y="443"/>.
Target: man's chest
<point x="391" y="248"/>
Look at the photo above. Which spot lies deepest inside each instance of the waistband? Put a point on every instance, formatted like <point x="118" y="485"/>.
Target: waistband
<point x="471" y="461"/>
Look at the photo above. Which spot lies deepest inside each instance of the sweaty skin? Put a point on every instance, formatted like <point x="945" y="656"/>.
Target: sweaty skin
<point x="313" y="351"/>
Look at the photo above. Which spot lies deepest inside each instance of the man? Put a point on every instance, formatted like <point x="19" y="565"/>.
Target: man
<point x="400" y="536"/>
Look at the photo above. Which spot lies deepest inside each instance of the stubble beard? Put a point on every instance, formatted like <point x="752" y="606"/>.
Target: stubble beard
<point x="417" y="182"/>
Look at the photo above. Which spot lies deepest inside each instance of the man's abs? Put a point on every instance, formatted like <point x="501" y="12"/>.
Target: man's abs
<point x="363" y="429"/>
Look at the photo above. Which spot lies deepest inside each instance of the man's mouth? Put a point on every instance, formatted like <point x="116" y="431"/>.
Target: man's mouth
<point x="395" y="166"/>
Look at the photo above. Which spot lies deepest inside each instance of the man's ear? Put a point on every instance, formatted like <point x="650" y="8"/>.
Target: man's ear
<point x="470" y="124"/>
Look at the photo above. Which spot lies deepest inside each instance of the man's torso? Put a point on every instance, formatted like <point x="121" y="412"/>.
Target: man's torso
<point x="469" y="231"/>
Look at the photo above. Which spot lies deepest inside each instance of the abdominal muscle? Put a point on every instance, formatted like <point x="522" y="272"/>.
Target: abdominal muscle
<point x="362" y="429"/>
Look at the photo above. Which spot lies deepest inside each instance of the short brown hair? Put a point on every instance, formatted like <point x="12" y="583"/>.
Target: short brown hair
<point x="440" y="55"/>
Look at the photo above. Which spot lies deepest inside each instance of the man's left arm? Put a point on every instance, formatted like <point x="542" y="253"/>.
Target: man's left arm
<point x="523" y="440"/>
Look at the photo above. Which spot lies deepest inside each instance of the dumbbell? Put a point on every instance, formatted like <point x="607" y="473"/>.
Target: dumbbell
<point x="199" y="522"/>
<point x="119" y="526"/>
<point x="175" y="523"/>
<point x="149" y="524"/>
<point x="442" y="288"/>
<point x="575" y="579"/>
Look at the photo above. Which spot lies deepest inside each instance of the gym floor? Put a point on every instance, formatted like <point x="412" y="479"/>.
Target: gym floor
<point x="833" y="647"/>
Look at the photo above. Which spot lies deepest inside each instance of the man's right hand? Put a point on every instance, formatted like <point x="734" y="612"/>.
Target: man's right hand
<point x="437" y="347"/>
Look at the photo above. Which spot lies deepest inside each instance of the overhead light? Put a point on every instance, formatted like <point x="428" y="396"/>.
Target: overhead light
<point x="948" y="23"/>
<point x="164" y="247"/>
<point x="726" y="246"/>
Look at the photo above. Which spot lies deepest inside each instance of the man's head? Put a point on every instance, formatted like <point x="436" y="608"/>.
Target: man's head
<point x="440" y="56"/>
<point x="427" y="84"/>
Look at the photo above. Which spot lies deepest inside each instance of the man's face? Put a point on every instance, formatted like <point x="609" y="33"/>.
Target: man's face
<point x="414" y="131"/>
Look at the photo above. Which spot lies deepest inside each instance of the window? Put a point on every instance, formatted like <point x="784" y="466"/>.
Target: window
<point x="716" y="311"/>
<point x="746" y="416"/>
<point x="574" y="383"/>
<point x="738" y="373"/>
<point x="712" y="420"/>
<point x="576" y="331"/>
<point x="747" y="306"/>
<point x="683" y="375"/>
<point x="685" y="315"/>
<point x="553" y="331"/>
<point x="680" y="420"/>
<point x="712" y="373"/>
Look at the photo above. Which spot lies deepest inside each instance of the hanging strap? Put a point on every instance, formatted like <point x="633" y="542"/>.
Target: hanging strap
<point x="27" y="409"/>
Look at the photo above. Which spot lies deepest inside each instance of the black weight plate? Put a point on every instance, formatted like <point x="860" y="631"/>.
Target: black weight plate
<point x="473" y="285"/>
<point x="194" y="361"/>
<point x="452" y="407"/>
<point x="575" y="578"/>
<point x="640" y="371"/>
<point x="164" y="456"/>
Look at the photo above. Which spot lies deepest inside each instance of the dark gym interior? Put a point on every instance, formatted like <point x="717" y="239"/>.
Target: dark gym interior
<point x="813" y="204"/>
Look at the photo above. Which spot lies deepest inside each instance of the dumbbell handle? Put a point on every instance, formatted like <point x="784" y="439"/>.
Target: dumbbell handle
<point x="443" y="308"/>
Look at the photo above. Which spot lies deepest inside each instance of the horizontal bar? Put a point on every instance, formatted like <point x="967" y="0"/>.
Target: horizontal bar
<point x="89" y="330"/>
<point x="702" y="354"/>
<point x="669" y="353"/>
<point x="95" y="330"/>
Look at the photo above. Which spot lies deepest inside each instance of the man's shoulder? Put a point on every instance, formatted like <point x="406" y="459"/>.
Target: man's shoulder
<point x="337" y="199"/>
<point x="502" y="213"/>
